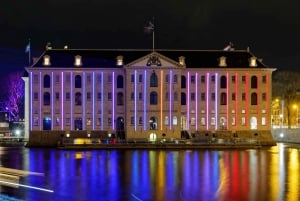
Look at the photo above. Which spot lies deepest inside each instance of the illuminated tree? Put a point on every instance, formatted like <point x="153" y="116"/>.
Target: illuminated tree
<point x="12" y="94"/>
<point x="285" y="85"/>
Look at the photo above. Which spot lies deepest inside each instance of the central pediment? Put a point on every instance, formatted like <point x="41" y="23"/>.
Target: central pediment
<point x="154" y="59"/>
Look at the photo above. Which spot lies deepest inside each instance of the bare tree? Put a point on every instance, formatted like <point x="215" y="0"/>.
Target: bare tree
<point x="12" y="94"/>
<point x="285" y="85"/>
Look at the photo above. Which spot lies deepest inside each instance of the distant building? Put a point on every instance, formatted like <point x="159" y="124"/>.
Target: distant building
<point x="146" y="95"/>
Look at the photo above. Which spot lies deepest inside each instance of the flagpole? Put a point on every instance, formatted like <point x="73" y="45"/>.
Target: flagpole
<point x="29" y="52"/>
<point x="153" y="40"/>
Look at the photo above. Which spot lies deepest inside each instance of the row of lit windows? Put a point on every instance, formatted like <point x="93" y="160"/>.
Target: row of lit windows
<point x="153" y="99"/>
<point x="153" y="80"/>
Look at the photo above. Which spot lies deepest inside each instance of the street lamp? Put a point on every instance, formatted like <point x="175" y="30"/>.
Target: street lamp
<point x="296" y="107"/>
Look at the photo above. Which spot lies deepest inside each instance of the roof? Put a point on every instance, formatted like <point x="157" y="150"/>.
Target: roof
<point x="106" y="58"/>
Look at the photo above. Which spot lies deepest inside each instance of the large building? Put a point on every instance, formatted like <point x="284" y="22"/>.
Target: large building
<point x="146" y="95"/>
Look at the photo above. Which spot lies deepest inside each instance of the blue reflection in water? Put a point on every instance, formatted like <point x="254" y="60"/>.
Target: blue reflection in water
<point x="261" y="174"/>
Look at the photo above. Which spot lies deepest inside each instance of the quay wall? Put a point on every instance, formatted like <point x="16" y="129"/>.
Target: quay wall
<point x="289" y="135"/>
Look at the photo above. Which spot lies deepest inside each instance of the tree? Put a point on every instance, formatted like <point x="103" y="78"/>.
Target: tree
<point x="12" y="94"/>
<point x="285" y="85"/>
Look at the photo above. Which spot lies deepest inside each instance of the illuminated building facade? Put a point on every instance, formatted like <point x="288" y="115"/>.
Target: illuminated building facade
<point x="145" y="94"/>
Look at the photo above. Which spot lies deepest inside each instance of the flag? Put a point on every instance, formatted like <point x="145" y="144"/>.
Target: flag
<point x="149" y="28"/>
<point x="227" y="47"/>
<point x="27" y="49"/>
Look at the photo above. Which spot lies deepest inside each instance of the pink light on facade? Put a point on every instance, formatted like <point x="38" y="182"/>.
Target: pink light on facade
<point x="113" y="101"/>
<point x="145" y="100"/>
<point x="188" y="103"/>
<point x="227" y="100"/>
<point x="207" y="101"/>
<point x="102" y="101"/>
<point x="93" y="112"/>
<point x="170" y="100"/>
<point x="216" y="101"/>
<point x="161" y="99"/>
<point x="135" y="100"/>
<point x="62" y="100"/>
<point x="196" y="104"/>
<point x="41" y="111"/>
<point x="52" y="100"/>
<point x="84" y="101"/>
<point x="31" y="101"/>
<point x="71" y="99"/>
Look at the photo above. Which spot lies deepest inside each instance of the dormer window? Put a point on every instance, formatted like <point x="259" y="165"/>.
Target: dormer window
<point x="119" y="60"/>
<point x="46" y="61"/>
<point x="222" y="61"/>
<point x="182" y="60"/>
<point x="252" y="62"/>
<point x="78" y="61"/>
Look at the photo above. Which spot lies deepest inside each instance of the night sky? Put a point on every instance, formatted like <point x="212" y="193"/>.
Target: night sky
<point x="271" y="28"/>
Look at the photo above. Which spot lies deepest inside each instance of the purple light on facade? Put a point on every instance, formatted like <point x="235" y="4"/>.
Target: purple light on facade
<point x="170" y="99"/>
<point x="52" y="101"/>
<point x="31" y="101"/>
<point x="40" y="120"/>
<point x="196" y="105"/>
<point x="83" y="102"/>
<point x="145" y="100"/>
<point x="71" y="87"/>
<point x="102" y="102"/>
<point x="188" y="102"/>
<point x="207" y="101"/>
<point x="113" y="100"/>
<point x="62" y="100"/>
<point x="216" y="101"/>
<point x="135" y="101"/>
<point x="93" y="112"/>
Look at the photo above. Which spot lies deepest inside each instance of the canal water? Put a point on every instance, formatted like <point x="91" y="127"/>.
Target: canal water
<point x="145" y="175"/>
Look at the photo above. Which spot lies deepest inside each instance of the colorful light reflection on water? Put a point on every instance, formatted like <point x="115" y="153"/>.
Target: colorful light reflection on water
<point x="216" y="175"/>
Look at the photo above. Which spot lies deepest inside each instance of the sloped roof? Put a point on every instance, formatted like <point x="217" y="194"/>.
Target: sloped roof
<point x="106" y="58"/>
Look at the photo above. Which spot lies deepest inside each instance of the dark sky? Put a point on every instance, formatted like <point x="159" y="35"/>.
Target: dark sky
<point x="271" y="28"/>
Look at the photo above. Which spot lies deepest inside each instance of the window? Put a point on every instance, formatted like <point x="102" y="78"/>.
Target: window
<point x="120" y="98"/>
<point x="67" y="96"/>
<point x="109" y="96"/>
<point x="57" y="79"/>
<point x="89" y="79"/>
<point x="166" y="121"/>
<point x="140" y="78"/>
<point x="167" y="96"/>
<point x="175" y="79"/>
<point x="193" y="79"/>
<point x="183" y="99"/>
<point x="202" y="121"/>
<point x="78" y="123"/>
<point x="243" y="121"/>
<point x="167" y="78"/>
<point x="57" y="96"/>
<point x="213" y="78"/>
<point x="264" y="96"/>
<point x="99" y="96"/>
<point x="57" y="121"/>
<point x="35" y="96"/>
<point x="153" y="98"/>
<point x="202" y="96"/>
<point x="193" y="121"/>
<point x="77" y="81"/>
<point x="46" y="81"/>
<point x="132" y="120"/>
<point x="253" y="99"/>
<point x="140" y="96"/>
<point x="36" y="121"/>
<point x="233" y="96"/>
<point x="244" y="79"/>
<point x="223" y="98"/>
<point x="120" y="81"/>
<point x="35" y="78"/>
<point x="183" y="82"/>
<point x="223" y="83"/>
<point x="233" y="121"/>
<point x="233" y="79"/>
<point x="263" y="121"/>
<point x="213" y="96"/>
<point x="202" y="79"/>
<point x="132" y="96"/>
<point x="264" y="79"/>
<point x="109" y="121"/>
<point x="175" y="96"/>
<point x="68" y="78"/>
<point x="213" y="121"/>
<point x="243" y="96"/>
<point x="99" y="78"/>
<point x="175" y="122"/>
<point x="88" y="96"/>
<point x="192" y="96"/>
<point x="109" y="79"/>
<point x="132" y="77"/>
<point x="46" y="98"/>
<point x="153" y="80"/>
<point x="253" y="82"/>
<point x="140" y="120"/>
<point x="78" y="98"/>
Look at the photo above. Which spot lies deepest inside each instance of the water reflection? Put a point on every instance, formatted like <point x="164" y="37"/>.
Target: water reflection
<point x="255" y="174"/>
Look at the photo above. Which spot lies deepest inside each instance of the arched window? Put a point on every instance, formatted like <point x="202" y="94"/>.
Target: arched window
<point x="46" y="98"/>
<point x="153" y="98"/>
<point x="120" y="98"/>
<point x="153" y="80"/>
<point x="46" y="81"/>
<point x="183" y="99"/>
<point x="253" y="99"/>
<point x="183" y="82"/>
<point x="77" y="81"/>
<point x="78" y="98"/>
<point x="153" y="123"/>
<point x="223" y="98"/>
<point x="120" y="81"/>
<point x="253" y="82"/>
<point x="223" y="83"/>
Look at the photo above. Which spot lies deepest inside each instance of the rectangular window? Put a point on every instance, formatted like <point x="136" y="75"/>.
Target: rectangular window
<point x="263" y="121"/>
<point x="213" y="96"/>
<point x="57" y="79"/>
<point x="68" y="96"/>
<point x="99" y="96"/>
<point x="193" y="121"/>
<point x="132" y="96"/>
<point x="68" y="121"/>
<point x="35" y="78"/>
<point x="213" y="78"/>
<point x="98" y="122"/>
<point x="109" y="96"/>
<point x="233" y="96"/>
<point x="264" y="79"/>
<point x="68" y="78"/>
<point x="57" y="96"/>
<point x="89" y="79"/>
<point x="233" y="121"/>
<point x="132" y="77"/>
<point x="233" y="79"/>
<point x="35" y="96"/>
<point x="243" y="121"/>
<point x="175" y="79"/>
<point x="109" y="121"/>
<point x="99" y="78"/>
<point x="244" y="79"/>
<point x="140" y="78"/>
<point x="192" y="96"/>
<point x="202" y="78"/>
<point x="36" y="121"/>
<point x="264" y="96"/>
<point x="109" y="79"/>
<point x="202" y="96"/>
<point x="202" y="121"/>
<point x="193" y="79"/>
<point x="132" y="120"/>
<point x="57" y="121"/>
<point x="166" y="96"/>
<point x="88" y="96"/>
<point x="213" y="121"/>
<point x="140" y="96"/>
<point x="243" y="96"/>
<point x="167" y="78"/>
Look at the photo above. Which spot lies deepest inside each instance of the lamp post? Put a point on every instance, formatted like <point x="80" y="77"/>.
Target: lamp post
<point x="296" y="107"/>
